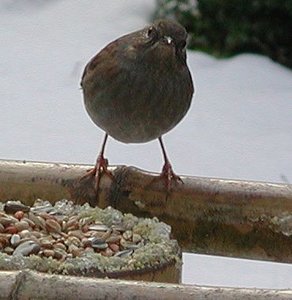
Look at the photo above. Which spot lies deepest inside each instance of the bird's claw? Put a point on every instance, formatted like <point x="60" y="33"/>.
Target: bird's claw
<point x="168" y="176"/>
<point x="99" y="169"/>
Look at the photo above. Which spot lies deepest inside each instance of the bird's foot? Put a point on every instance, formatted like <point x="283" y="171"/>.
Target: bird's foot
<point x="97" y="172"/>
<point x="168" y="176"/>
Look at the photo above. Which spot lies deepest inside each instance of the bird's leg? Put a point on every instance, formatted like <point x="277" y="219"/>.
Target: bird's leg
<point x="167" y="173"/>
<point x="100" y="166"/>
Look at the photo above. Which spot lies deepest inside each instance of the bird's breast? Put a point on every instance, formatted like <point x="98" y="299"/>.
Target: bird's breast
<point x="142" y="100"/>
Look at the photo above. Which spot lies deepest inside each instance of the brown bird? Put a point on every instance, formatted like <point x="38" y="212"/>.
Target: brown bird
<point x="138" y="88"/>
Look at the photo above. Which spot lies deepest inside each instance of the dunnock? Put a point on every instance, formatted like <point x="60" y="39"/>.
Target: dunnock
<point x="138" y="88"/>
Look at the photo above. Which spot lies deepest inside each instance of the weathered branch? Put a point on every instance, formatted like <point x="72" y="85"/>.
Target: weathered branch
<point x="31" y="285"/>
<point x="215" y="216"/>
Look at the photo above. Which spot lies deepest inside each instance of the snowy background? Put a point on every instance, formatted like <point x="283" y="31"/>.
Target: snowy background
<point x="239" y="125"/>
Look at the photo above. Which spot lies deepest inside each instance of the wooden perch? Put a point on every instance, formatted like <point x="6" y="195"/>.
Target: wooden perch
<point x="31" y="285"/>
<point x="207" y="215"/>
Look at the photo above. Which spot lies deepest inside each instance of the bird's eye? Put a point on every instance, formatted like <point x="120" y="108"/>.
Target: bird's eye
<point x="151" y="32"/>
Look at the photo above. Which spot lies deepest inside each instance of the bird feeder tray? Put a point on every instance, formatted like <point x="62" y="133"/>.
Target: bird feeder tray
<point x="70" y="239"/>
<point x="234" y="218"/>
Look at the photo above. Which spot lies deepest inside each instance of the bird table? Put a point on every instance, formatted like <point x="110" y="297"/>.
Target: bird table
<point x="235" y="218"/>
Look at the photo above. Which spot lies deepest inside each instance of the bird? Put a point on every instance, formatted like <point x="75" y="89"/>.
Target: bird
<point x="139" y="87"/>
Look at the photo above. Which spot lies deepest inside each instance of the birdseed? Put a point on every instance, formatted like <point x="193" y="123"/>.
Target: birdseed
<point x="72" y="239"/>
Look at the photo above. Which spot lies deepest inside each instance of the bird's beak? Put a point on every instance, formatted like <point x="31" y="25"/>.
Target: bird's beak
<point x="168" y="39"/>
